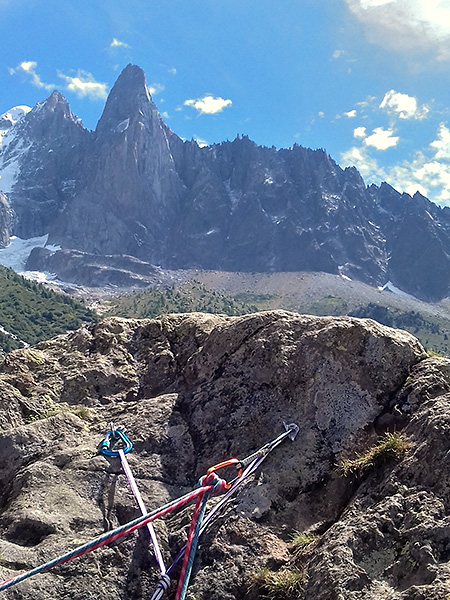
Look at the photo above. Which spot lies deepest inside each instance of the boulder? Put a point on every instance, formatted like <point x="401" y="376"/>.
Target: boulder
<point x="195" y="389"/>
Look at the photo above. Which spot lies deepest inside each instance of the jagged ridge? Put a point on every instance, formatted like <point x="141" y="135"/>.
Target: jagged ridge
<point x="133" y="187"/>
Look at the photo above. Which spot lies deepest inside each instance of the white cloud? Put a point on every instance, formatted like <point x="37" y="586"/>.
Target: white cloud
<point x="338" y="53"/>
<point x="84" y="85"/>
<point x="173" y="71"/>
<point x="155" y="88"/>
<point x="407" y="107"/>
<point x="29" y="68"/>
<point x="428" y="171"/>
<point x="359" y="133"/>
<point x="118" y="44"/>
<point x="406" y="25"/>
<point x="321" y="114"/>
<point x="208" y="105"/>
<point x="442" y="144"/>
<point x="202" y="143"/>
<point x="382" y="139"/>
<point x="350" y="114"/>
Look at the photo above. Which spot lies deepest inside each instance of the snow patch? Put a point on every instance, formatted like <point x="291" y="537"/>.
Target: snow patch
<point x="342" y="274"/>
<point x="12" y="116"/>
<point x="15" y="255"/>
<point x="123" y="126"/>
<point x="392" y="288"/>
<point x="10" y="161"/>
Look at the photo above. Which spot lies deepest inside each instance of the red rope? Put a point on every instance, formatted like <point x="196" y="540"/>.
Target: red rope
<point x="187" y="550"/>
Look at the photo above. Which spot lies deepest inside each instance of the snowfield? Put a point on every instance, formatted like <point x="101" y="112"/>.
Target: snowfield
<point x="16" y="254"/>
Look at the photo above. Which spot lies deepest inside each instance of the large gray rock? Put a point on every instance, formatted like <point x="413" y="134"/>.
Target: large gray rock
<point x="195" y="389"/>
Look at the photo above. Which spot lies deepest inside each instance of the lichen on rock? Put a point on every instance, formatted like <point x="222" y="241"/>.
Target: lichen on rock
<point x="192" y="390"/>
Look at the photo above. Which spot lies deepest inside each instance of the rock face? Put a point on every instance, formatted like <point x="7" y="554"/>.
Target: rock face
<point x="134" y="187"/>
<point x="193" y="390"/>
<point x="5" y="221"/>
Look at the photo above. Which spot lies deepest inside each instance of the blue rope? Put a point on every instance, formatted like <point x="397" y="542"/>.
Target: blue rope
<point x="197" y="532"/>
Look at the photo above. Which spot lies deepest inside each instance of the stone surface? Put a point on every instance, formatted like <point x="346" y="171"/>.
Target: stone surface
<point x="195" y="389"/>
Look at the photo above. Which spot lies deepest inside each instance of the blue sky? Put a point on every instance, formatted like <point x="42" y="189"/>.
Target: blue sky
<point x="368" y="80"/>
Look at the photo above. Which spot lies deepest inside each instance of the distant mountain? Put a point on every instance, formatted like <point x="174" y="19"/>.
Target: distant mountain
<point x="133" y="187"/>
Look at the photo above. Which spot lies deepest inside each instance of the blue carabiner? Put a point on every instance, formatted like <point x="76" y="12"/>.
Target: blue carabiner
<point x="110" y="438"/>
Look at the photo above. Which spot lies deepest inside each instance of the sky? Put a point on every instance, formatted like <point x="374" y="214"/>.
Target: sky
<point x="367" y="80"/>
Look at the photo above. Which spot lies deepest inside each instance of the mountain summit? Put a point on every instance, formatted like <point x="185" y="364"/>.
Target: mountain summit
<point x="134" y="187"/>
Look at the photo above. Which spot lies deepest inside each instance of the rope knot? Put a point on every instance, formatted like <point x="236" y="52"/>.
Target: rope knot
<point x="214" y="480"/>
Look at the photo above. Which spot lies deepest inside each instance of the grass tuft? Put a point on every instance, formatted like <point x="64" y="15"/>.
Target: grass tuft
<point x="278" y="585"/>
<point x="389" y="446"/>
<point x="301" y="542"/>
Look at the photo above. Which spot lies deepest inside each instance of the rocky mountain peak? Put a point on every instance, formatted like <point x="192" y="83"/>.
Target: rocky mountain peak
<point x="50" y="120"/>
<point x="134" y="187"/>
<point x="129" y="99"/>
<point x="12" y="116"/>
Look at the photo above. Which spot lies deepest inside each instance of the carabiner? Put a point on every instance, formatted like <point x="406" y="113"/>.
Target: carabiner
<point x="110" y="438"/>
<point x="226" y="463"/>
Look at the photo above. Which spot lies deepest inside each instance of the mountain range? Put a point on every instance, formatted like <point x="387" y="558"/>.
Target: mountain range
<point x="133" y="187"/>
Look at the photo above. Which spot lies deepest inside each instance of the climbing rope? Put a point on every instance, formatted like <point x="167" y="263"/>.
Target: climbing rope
<point x="197" y="520"/>
<point x="209" y="485"/>
<point x="108" y="537"/>
<point x="106" y="448"/>
<point x="250" y="464"/>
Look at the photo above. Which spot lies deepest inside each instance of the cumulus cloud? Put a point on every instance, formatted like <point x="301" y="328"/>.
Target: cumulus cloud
<point x="406" y="25"/>
<point x="359" y="133"/>
<point x="200" y="142"/>
<point x="173" y="71"/>
<point x="84" y="85"/>
<point x="442" y="143"/>
<point x="406" y="107"/>
<point x="28" y="67"/>
<point x="208" y="105"/>
<point x="351" y="114"/>
<point x="382" y="139"/>
<point x="118" y="44"/>
<point x="155" y="88"/>
<point x="427" y="171"/>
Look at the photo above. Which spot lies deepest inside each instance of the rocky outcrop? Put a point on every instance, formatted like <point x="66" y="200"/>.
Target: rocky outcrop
<point x="195" y="389"/>
<point x="97" y="269"/>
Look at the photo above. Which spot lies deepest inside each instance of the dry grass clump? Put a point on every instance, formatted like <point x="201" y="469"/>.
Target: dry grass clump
<point x="301" y="542"/>
<point x="284" y="584"/>
<point x="390" y="446"/>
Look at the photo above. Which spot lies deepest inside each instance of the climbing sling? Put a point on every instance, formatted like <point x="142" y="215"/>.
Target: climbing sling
<point x="209" y="484"/>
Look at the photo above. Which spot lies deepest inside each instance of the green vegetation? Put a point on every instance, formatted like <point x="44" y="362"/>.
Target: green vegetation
<point x="432" y="330"/>
<point x="31" y="313"/>
<point x="389" y="446"/>
<point x="301" y="542"/>
<point x="278" y="585"/>
<point x="189" y="297"/>
<point x="51" y="409"/>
